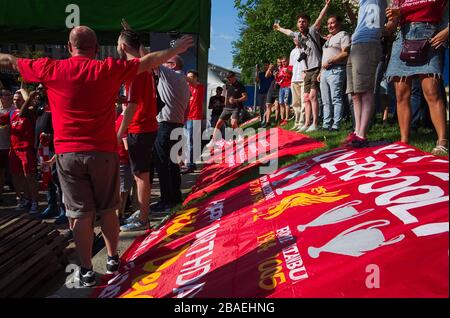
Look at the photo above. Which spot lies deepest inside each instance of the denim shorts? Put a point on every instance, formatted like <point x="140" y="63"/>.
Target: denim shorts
<point x="285" y="96"/>
<point x="414" y="31"/>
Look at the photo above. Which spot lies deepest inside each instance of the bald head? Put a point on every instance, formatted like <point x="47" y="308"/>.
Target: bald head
<point x="83" y="41"/>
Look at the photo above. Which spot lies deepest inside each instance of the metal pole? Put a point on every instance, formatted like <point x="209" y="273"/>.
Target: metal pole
<point x="256" y="86"/>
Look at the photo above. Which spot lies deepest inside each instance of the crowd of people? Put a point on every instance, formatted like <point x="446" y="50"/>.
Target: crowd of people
<point x="94" y="126"/>
<point x="327" y="72"/>
<point x="94" y="138"/>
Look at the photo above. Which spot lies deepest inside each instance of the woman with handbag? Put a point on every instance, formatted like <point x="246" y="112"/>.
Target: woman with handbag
<point x="415" y="52"/>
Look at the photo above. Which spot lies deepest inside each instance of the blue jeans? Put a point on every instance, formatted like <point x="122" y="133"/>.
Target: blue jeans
<point x="332" y="92"/>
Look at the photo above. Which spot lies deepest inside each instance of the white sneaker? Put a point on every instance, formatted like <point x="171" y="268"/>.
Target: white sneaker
<point x="34" y="208"/>
<point x="211" y="144"/>
<point x="133" y="218"/>
<point x="303" y="128"/>
<point x="312" y="128"/>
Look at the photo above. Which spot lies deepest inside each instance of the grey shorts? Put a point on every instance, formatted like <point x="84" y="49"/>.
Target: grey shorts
<point x="126" y="178"/>
<point x="90" y="183"/>
<point x="362" y="66"/>
<point x="230" y="112"/>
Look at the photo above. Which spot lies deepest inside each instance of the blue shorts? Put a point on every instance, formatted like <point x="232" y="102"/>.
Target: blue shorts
<point x="285" y="96"/>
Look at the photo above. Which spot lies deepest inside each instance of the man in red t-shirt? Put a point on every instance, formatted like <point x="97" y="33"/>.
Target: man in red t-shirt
<point x="194" y="117"/>
<point x="82" y="92"/>
<point x="140" y="119"/>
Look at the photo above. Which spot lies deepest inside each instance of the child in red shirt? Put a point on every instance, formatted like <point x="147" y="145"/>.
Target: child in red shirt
<point x="284" y="78"/>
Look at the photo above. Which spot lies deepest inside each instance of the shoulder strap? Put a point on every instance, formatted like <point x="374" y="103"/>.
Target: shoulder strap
<point x="317" y="45"/>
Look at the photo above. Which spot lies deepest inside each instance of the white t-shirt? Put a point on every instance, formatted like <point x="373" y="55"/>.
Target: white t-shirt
<point x="334" y="46"/>
<point x="298" y="68"/>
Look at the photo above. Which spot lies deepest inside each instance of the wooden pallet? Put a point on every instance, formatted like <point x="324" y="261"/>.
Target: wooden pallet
<point x="31" y="254"/>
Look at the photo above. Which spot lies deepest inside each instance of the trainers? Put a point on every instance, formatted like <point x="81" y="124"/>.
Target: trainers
<point x="22" y="204"/>
<point x="211" y="144"/>
<point x="359" y="142"/>
<point x="133" y="218"/>
<point x="349" y="139"/>
<point x="34" y="209"/>
<point x="62" y="219"/>
<point x="68" y="235"/>
<point x="161" y="207"/>
<point x="49" y="212"/>
<point x="303" y="128"/>
<point x="135" y="227"/>
<point x="87" y="279"/>
<point x="112" y="266"/>
<point x="311" y="128"/>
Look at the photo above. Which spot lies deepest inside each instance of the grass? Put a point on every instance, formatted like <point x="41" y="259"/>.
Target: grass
<point x="424" y="139"/>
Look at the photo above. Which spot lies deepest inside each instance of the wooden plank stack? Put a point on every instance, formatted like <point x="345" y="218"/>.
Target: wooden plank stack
<point x="32" y="253"/>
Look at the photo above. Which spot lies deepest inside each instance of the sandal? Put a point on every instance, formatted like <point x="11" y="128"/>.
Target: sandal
<point x="441" y="150"/>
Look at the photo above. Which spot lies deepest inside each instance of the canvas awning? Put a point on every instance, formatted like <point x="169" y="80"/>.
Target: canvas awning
<point x="44" y="21"/>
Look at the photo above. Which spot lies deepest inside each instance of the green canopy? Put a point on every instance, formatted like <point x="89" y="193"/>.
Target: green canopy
<point x="44" y="21"/>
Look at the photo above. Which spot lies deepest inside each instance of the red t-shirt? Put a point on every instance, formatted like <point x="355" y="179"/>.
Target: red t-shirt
<point x="284" y="76"/>
<point x="82" y="94"/>
<point x="195" y="111"/>
<point x="422" y="11"/>
<point x="22" y="131"/>
<point x="142" y="91"/>
<point x="123" y="153"/>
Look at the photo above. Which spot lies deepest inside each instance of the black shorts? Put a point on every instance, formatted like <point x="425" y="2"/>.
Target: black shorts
<point x="230" y="112"/>
<point x="273" y="94"/>
<point x="140" y="149"/>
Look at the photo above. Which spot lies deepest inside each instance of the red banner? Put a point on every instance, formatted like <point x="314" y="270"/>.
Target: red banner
<point x="258" y="150"/>
<point x="368" y="222"/>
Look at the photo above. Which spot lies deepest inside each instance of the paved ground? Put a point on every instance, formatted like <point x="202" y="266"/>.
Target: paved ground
<point x="58" y="288"/>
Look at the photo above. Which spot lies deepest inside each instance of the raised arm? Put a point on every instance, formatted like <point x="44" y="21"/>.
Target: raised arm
<point x="152" y="60"/>
<point x="322" y="15"/>
<point x="269" y="72"/>
<point x="28" y="106"/>
<point x="278" y="28"/>
<point x="8" y="62"/>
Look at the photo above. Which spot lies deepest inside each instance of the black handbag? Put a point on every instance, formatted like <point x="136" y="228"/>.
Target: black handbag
<point x="415" y="51"/>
